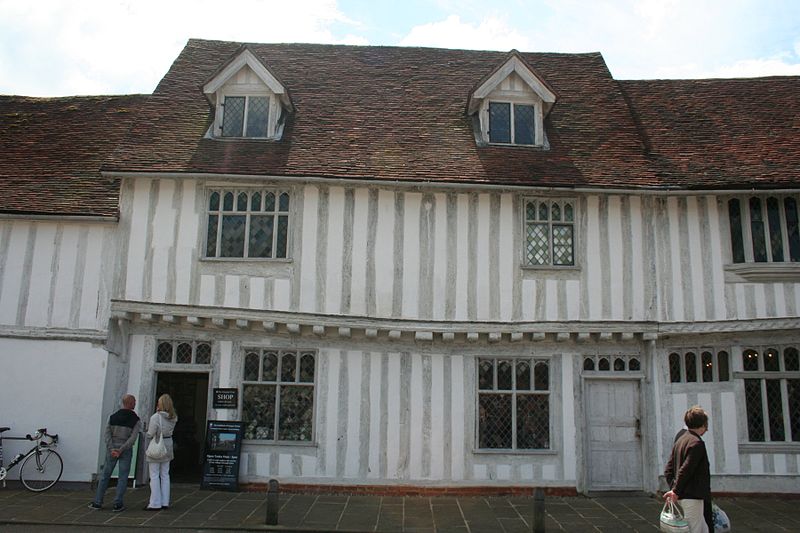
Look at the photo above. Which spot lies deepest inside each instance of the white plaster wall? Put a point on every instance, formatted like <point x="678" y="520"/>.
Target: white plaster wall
<point x="58" y="385"/>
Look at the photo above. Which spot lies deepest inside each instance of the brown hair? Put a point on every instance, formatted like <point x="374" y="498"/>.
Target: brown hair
<point x="695" y="417"/>
<point x="165" y="404"/>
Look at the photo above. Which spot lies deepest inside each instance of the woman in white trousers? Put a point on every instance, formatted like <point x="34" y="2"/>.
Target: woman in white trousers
<point x="161" y="423"/>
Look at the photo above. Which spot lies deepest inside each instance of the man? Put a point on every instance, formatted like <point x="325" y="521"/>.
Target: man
<point x="688" y="471"/>
<point x="121" y="432"/>
<point x="708" y="509"/>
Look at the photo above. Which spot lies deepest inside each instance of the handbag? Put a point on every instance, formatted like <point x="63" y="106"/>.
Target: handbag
<point x="722" y="524"/>
<point x="156" y="450"/>
<point x="671" y="520"/>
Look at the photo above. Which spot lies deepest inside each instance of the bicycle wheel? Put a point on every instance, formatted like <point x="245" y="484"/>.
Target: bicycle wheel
<point x="40" y="471"/>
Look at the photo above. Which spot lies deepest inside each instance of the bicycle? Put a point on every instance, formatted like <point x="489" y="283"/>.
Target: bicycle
<point x="41" y="465"/>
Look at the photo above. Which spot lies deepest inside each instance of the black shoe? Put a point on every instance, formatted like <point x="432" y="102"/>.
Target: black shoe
<point x="153" y="508"/>
<point x="95" y="506"/>
<point x="118" y="508"/>
<point x="164" y="507"/>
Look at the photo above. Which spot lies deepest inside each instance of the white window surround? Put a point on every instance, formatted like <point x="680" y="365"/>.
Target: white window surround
<point x="265" y="85"/>
<point x="538" y="95"/>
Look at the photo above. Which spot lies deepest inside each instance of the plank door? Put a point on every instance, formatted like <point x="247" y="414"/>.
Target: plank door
<point x="614" y="440"/>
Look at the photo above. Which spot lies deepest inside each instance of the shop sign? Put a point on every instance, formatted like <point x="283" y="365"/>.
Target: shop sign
<point x="226" y="399"/>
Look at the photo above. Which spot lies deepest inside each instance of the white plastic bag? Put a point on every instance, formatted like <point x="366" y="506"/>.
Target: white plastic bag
<point x="722" y="524"/>
<point x="672" y="520"/>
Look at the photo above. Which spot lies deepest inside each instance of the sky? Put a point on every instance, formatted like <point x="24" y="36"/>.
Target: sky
<point x="80" y="47"/>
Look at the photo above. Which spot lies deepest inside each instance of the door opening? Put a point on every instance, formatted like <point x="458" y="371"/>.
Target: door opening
<point x="189" y="392"/>
<point x="613" y="421"/>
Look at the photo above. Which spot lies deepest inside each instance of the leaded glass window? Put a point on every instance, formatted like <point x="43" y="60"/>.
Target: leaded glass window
<point x="608" y="363"/>
<point x="764" y="229"/>
<point x="183" y="352"/>
<point x="549" y="232"/>
<point x="499" y="122"/>
<point x="512" y="123"/>
<point x="245" y="116"/>
<point x="705" y="365"/>
<point x="513" y="403"/>
<point x="278" y="395"/>
<point x="772" y="399"/>
<point x="248" y="224"/>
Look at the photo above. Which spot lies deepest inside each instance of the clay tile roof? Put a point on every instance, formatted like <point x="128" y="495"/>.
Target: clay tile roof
<point x="391" y="113"/>
<point x="52" y="150"/>
<point x="720" y="133"/>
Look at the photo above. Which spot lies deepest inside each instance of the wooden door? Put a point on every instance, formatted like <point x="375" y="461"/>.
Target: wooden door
<point x="614" y="440"/>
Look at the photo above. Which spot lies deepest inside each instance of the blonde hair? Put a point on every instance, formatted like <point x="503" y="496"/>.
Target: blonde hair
<point x="165" y="404"/>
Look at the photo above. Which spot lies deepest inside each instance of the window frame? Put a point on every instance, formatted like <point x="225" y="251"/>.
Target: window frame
<point x="532" y="361"/>
<point x="220" y="212"/>
<point x="245" y="116"/>
<point x="513" y="100"/>
<point x="524" y="231"/>
<point x="278" y="383"/>
<point x="175" y="344"/>
<point x="763" y="375"/>
<point x="698" y="352"/>
<point x="746" y="230"/>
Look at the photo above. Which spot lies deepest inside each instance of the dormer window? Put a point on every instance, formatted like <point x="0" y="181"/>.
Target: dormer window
<point x="510" y="105"/>
<point x="245" y="116"/>
<point x="511" y="123"/>
<point x="250" y="102"/>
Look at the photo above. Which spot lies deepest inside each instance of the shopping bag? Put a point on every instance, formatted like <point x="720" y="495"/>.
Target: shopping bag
<point x="722" y="524"/>
<point x="672" y="520"/>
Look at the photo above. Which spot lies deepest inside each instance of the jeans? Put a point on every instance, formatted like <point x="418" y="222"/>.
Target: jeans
<point x="159" y="485"/>
<point x="124" y="461"/>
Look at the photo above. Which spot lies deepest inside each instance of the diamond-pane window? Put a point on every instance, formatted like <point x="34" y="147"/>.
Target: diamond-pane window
<point x="513" y="405"/>
<point x="499" y="122"/>
<point x="250" y="224"/>
<point x="604" y="364"/>
<point x="257" y="115"/>
<point x="772" y="398"/>
<point x="233" y="116"/>
<point x="707" y="366"/>
<point x="164" y="352"/>
<point x="203" y="354"/>
<point x="245" y="116"/>
<point x="282" y="409"/>
<point x="512" y="123"/>
<point x="588" y="363"/>
<point x="549" y="233"/>
<point x="524" y="126"/>
<point x="723" y="367"/>
<point x="619" y="364"/>
<point x="674" y="368"/>
<point x="691" y="367"/>
<point x="774" y="235"/>
<point x="183" y="352"/>
<point x="634" y="365"/>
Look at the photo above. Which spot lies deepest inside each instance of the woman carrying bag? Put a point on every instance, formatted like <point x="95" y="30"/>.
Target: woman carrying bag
<point x="160" y="452"/>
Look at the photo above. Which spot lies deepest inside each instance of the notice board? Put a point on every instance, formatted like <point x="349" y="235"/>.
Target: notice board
<point x="222" y="454"/>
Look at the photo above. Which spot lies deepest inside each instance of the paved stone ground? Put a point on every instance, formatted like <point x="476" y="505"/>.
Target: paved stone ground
<point x="193" y="509"/>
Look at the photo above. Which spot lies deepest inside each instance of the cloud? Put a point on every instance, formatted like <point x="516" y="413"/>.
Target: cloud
<point x="491" y="33"/>
<point x="111" y="46"/>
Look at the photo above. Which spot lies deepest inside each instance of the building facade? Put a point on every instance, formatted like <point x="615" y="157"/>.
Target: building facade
<point x="419" y="267"/>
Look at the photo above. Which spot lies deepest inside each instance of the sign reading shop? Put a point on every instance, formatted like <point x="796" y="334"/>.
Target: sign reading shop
<point x="222" y="454"/>
<point x="226" y="399"/>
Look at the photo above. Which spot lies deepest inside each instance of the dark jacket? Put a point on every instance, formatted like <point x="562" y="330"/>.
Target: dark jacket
<point x="688" y="471"/>
<point x="122" y="430"/>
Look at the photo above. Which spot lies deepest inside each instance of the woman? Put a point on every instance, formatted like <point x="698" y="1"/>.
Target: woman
<point x="162" y="422"/>
<point x="688" y="471"/>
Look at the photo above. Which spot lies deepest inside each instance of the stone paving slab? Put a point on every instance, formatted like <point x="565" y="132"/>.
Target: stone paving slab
<point x="192" y="509"/>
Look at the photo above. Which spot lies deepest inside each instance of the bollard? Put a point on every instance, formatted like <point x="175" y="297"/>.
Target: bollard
<point x="272" y="503"/>
<point x="538" y="510"/>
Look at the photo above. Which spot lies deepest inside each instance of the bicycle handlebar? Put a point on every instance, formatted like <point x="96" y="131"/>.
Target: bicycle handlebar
<point x="40" y="433"/>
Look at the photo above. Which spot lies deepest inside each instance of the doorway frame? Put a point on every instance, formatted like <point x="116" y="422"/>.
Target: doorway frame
<point x="639" y="379"/>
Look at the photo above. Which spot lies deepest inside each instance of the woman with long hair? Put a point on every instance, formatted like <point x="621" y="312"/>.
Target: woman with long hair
<point x="161" y="423"/>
